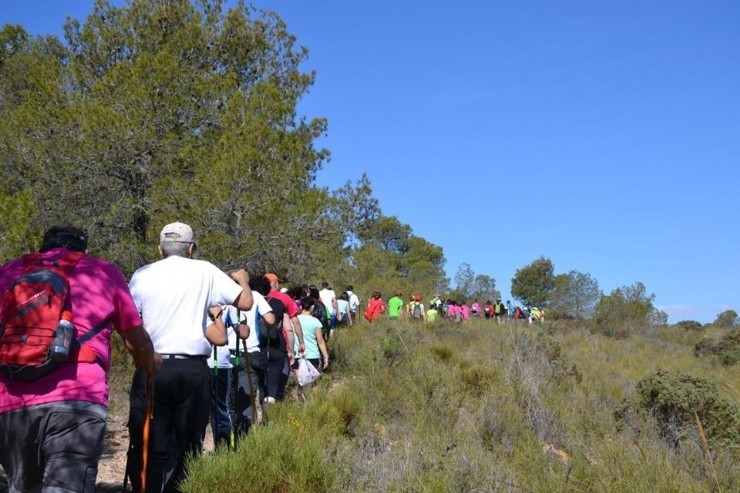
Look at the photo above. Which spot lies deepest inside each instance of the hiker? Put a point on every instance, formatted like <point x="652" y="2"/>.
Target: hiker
<point x="464" y="311"/>
<point x="53" y="426"/>
<point x="329" y="299"/>
<point x="319" y="311"/>
<point x="176" y="296"/>
<point x="276" y="342"/>
<point x="518" y="314"/>
<point x="395" y="305"/>
<point x="499" y="311"/>
<point x="316" y="351"/>
<point x="292" y="308"/>
<point x="220" y="362"/>
<point x="488" y="310"/>
<point x="344" y="315"/>
<point x="354" y="301"/>
<point x="534" y="314"/>
<point x="375" y="307"/>
<point x="432" y="314"/>
<point x="475" y="308"/>
<point x="416" y="309"/>
<point x="453" y="311"/>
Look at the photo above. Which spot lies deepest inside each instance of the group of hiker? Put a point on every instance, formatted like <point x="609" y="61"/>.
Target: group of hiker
<point x="446" y="309"/>
<point x="207" y="345"/>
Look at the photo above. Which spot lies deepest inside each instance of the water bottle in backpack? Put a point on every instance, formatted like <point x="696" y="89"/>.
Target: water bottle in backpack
<point x="60" y="347"/>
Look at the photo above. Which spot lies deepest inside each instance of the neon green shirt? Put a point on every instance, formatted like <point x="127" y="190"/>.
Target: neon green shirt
<point x="431" y="315"/>
<point x="394" y="307"/>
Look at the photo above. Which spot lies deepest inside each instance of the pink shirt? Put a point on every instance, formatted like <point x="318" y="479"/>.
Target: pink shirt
<point x="465" y="312"/>
<point x="99" y="293"/>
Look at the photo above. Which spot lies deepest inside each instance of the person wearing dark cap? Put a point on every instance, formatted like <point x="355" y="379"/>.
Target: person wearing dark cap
<point x="176" y="297"/>
<point x="53" y="427"/>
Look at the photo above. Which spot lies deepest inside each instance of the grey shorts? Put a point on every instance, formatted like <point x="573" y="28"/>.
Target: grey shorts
<point x="53" y="446"/>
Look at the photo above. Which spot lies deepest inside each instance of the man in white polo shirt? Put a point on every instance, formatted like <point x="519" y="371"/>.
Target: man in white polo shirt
<point x="329" y="299"/>
<point x="176" y="296"/>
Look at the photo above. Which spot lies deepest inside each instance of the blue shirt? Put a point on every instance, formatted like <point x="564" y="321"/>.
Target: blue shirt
<point x="309" y="325"/>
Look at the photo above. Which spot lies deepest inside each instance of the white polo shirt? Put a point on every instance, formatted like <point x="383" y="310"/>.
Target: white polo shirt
<point x="173" y="296"/>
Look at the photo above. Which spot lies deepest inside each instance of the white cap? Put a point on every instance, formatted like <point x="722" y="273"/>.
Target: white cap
<point x="176" y="232"/>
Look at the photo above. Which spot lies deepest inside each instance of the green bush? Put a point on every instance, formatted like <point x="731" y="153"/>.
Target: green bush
<point x="689" y="325"/>
<point x="676" y="399"/>
<point x="727" y="348"/>
<point x="483" y="407"/>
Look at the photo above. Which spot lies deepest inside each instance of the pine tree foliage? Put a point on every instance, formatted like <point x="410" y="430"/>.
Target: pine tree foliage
<point x="153" y="111"/>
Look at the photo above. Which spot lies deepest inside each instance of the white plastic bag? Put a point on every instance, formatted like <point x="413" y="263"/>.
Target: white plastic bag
<point x="306" y="372"/>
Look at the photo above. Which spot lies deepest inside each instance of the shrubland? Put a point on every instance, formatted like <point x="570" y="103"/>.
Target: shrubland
<point x="488" y="407"/>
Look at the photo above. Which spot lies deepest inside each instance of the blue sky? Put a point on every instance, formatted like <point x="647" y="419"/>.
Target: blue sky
<point x="604" y="135"/>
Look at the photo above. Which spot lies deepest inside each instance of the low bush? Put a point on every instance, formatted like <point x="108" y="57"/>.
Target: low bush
<point x="689" y="325"/>
<point x="676" y="400"/>
<point x="486" y="407"/>
<point x="727" y="348"/>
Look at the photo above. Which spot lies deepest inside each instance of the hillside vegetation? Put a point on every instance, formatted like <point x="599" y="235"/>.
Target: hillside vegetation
<point x="488" y="407"/>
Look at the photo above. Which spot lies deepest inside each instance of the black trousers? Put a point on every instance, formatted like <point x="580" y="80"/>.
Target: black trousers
<point x="182" y="398"/>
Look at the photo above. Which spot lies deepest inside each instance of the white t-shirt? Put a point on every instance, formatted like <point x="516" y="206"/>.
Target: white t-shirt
<point x="328" y="298"/>
<point x="223" y="353"/>
<point x="354" y="301"/>
<point x="173" y="296"/>
<point x="260" y="304"/>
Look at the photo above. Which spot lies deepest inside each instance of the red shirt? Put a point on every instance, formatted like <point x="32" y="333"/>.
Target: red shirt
<point x="290" y="305"/>
<point x="376" y="307"/>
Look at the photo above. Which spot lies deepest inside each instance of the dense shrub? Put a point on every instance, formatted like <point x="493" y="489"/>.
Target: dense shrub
<point x="689" y="325"/>
<point x="676" y="399"/>
<point x="727" y="348"/>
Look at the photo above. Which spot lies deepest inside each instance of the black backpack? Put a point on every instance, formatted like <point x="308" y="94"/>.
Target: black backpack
<point x="319" y="311"/>
<point x="272" y="337"/>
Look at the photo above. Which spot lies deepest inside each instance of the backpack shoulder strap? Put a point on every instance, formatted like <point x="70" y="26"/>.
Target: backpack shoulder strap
<point x="92" y="332"/>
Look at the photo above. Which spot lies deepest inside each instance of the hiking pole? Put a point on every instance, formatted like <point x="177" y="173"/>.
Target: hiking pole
<point x="216" y="403"/>
<point x="248" y="364"/>
<point x="149" y="414"/>
<point x="236" y="327"/>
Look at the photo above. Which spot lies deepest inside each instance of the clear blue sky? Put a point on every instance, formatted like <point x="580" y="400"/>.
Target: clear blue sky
<point x="604" y="135"/>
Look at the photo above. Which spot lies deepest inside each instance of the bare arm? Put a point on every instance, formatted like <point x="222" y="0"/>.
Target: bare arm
<point x="299" y="334"/>
<point x="243" y="331"/>
<point x="269" y="318"/>
<point x="244" y="301"/>
<point x="216" y="330"/>
<point x="322" y="348"/>
<point x="288" y="333"/>
<point x="139" y="344"/>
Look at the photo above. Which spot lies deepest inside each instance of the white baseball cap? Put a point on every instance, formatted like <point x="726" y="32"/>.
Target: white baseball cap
<point x="176" y="232"/>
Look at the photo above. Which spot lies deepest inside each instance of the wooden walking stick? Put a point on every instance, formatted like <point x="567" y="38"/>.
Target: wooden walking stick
<point x="149" y="397"/>
<point x="248" y="364"/>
